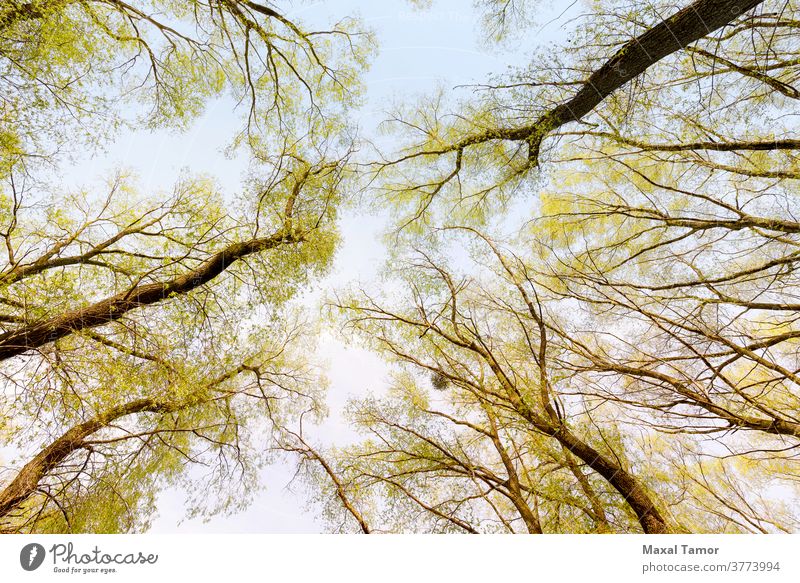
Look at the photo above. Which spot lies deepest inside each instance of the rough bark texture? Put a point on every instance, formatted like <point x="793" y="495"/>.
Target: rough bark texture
<point x="629" y="487"/>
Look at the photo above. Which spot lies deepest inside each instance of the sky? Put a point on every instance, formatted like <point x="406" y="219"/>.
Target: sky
<point x="419" y="52"/>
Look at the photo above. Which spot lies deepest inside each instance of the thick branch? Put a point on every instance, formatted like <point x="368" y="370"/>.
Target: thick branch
<point x="27" y="481"/>
<point x="755" y="145"/>
<point x="110" y="309"/>
<point x="688" y="25"/>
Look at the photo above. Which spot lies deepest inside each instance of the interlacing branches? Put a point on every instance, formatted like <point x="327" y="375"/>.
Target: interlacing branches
<point x="635" y="312"/>
<point x="589" y="308"/>
<point x="68" y="68"/>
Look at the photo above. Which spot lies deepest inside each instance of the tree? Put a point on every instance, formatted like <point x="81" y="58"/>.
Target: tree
<point x="494" y="424"/>
<point x="589" y="304"/>
<point x="147" y="337"/>
<point x="68" y="66"/>
<point x="196" y="270"/>
<point x="640" y="314"/>
<point x="504" y="429"/>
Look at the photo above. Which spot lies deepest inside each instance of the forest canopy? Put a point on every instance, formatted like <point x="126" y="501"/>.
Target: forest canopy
<point x="586" y="308"/>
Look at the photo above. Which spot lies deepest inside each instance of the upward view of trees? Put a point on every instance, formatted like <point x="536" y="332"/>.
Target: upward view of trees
<point x="144" y="334"/>
<point x="590" y="295"/>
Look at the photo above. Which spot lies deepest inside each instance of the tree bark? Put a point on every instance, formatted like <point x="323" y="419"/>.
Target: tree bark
<point x="18" y="341"/>
<point x="627" y="485"/>
<point x="686" y="26"/>
<point x="28" y="479"/>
